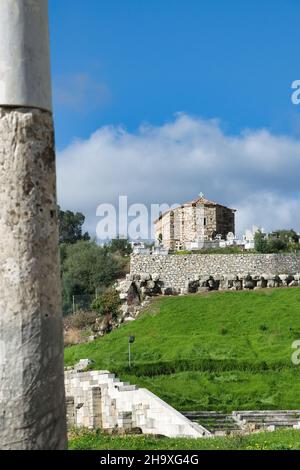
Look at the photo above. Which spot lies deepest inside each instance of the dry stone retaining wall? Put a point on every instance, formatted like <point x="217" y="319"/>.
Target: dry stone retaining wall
<point x="174" y="271"/>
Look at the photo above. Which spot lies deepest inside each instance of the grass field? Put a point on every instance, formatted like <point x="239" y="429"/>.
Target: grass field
<point x="223" y="351"/>
<point x="279" y="440"/>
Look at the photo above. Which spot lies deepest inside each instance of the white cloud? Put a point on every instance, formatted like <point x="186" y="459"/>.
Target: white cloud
<point x="255" y="172"/>
<point x="80" y="92"/>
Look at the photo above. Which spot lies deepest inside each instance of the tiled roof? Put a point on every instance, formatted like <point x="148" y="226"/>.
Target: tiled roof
<point x="203" y="200"/>
<point x="199" y="200"/>
<point x="207" y="202"/>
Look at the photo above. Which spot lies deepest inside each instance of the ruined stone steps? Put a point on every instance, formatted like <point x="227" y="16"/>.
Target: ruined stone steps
<point x="204" y="414"/>
<point x="276" y="418"/>
<point x="267" y="413"/>
<point x="213" y="421"/>
<point x="218" y="423"/>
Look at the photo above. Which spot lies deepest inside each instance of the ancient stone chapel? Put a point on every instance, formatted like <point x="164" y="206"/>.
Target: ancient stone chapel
<point x="191" y="224"/>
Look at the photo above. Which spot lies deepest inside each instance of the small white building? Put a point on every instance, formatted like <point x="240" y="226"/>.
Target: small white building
<point x="249" y="237"/>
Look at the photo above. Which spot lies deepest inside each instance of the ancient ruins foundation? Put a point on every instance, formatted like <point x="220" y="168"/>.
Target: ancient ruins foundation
<point x="98" y="399"/>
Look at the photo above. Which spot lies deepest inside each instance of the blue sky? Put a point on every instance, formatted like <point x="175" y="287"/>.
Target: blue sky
<point x="129" y="63"/>
<point x="232" y="59"/>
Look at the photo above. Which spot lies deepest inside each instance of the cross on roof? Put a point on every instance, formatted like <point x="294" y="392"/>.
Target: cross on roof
<point x="201" y="195"/>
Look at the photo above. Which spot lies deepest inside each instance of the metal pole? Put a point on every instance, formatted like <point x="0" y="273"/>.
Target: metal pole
<point x="131" y="340"/>
<point x="129" y="354"/>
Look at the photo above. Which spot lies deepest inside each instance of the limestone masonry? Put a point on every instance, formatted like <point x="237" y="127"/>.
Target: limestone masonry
<point x="99" y="400"/>
<point x="188" y="226"/>
<point x="31" y="341"/>
<point x="174" y="271"/>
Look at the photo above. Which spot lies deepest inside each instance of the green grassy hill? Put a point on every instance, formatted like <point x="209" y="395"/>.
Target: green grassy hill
<point x="223" y="351"/>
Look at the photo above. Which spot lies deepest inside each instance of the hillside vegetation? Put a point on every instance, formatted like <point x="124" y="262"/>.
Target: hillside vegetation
<point x="222" y="351"/>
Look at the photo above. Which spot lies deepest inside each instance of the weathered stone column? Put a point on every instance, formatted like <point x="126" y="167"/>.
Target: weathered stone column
<point x="32" y="402"/>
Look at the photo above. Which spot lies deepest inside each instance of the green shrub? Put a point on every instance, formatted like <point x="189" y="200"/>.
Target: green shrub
<point x="81" y="319"/>
<point x="87" y="267"/>
<point x="275" y="245"/>
<point x="107" y="303"/>
<point x="261" y="242"/>
<point x="121" y="246"/>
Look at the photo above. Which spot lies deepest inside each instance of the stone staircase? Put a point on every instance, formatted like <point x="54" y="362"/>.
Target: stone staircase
<point x="245" y="421"/>
<point x="216" y="423"/>
<point x="267" y="420"/>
